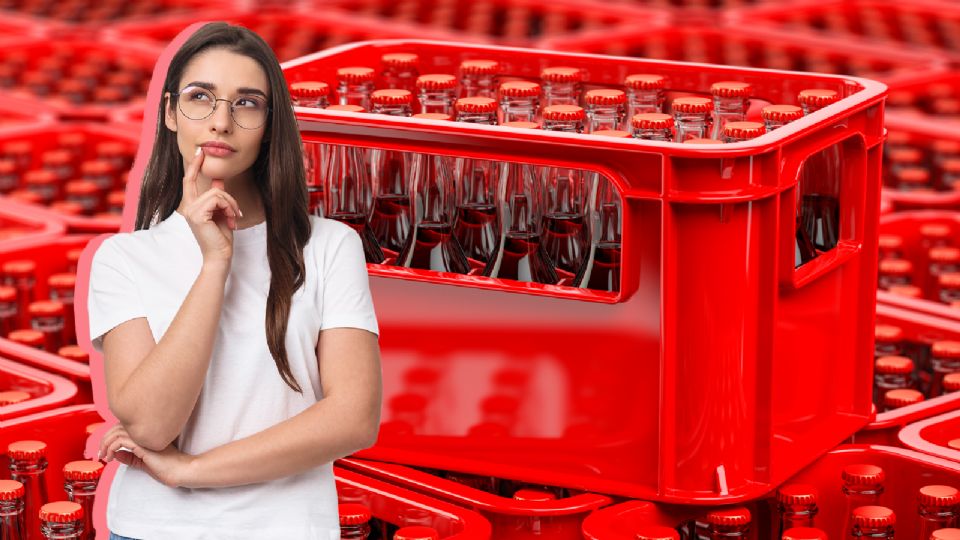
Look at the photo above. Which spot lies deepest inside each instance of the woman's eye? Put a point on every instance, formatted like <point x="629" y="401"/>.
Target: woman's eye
<point x="248" y="102"/>
<point x="199" y="96"/>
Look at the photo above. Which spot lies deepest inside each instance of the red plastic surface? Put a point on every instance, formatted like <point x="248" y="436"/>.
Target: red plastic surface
<point x="920" y="331"/>
<point x="687" y="385"/>
<point x="46" y="390"/>
<point x="17" y="112"/>
<point x="918" y="94"/>
<point x="931" y="435"/>
<point x="396" y="505"/>
<point x="755" y="47"/>
<point x="510" y="519"/>
<point x="922" y="135"/>
<point x="23" y="228"/>
<point x="907" y="225"/>
<point x="87" y="16"/>
<point x="51" y="258"/>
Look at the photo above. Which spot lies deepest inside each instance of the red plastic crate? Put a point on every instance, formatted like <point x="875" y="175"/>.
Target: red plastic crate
<point x="510" y="519"/>
<point x="135" y="58"/>
<point x="505" y="22"/>
<point x="935" y="94"/>
<point x="906" y="472"/>
<point x="46" y="390"/>
<point x="920" y="331"/>
<point x="17" y="112"/>
<point x="755" y="47"/>
<point x="44" y="138"/>
<point x="18" y="228"/>
<point x="921" y="134"/>
<point x="932" y="435"/>
<point x="918" y="23"/>
<point x="642" y="371"/>
<point x="51" y="257"/>
<point x="87" y="17"/>
<point x="907" y="224"/>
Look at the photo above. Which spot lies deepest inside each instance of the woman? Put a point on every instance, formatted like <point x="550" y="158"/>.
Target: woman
<point x="238" y="333"/>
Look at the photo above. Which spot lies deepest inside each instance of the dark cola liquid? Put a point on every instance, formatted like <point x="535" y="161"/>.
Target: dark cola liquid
<point x="605" y="270"/>
<point x="524" y="260"/>
<point x="433" y="247"/>
<point x="821" y="219"/>
<point x="390" y="221"/>
<point x="566" y="237"/>
<point x="476" y="230"/>
<point x="371" y="248"/>
<point x="803" y="249"/>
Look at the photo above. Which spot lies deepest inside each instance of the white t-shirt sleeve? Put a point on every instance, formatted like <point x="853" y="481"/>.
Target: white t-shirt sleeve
<point x="346" y="287"/>
<point x="113" y="297"/>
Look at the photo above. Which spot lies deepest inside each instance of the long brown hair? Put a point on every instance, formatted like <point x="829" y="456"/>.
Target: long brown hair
<point x="278" y="175"/>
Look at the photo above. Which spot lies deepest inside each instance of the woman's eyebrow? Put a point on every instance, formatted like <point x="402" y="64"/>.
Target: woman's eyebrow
<point x="240" y="90"/>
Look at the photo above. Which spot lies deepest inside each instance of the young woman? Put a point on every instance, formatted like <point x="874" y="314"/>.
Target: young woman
<point x="238" y="333"/>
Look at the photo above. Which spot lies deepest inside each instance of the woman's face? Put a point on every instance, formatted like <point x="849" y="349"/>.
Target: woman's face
<point x="225" y="75"/>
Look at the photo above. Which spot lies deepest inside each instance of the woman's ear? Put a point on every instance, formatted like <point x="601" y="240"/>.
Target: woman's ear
<point x="169" y="114"/>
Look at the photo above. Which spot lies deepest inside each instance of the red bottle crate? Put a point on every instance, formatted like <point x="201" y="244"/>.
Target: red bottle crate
<point x="18" y="112"/>
<point x="919" y="23"/>
<point x="43" y="138"/>
<point x="18" y="227"/>
<point x="506" y="22"/>
<point x="933" y="435"/>
<point x="48" y="88"/>
<point x="510" y="519"/>
<point x="907" y="224"/>
<point x="46" y="390"/>
<point x="755" y="47"/>
<point x="643" y="369"/>
<point x="86" y="18"/>
<point x="51" y="258"/>
<point x="401" y="507"/>
<point x="920" y="331"/>
<point x="929" y="93"/>
<point x="906" y="472"/>
<point x="910" y="131"/>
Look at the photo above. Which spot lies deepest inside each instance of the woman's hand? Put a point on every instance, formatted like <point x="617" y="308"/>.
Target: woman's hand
<point x="171" y="467"/>
<point x="212" y="215"/>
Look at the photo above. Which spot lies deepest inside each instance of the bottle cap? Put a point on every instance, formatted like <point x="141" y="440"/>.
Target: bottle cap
<point x="935" y="231"/>
<point x="652" y="121"/>
<point x="96" y="167"/>
<point x="354" y="514"/>
<point x="416" y="533"/>
<point x="797" y="494"/>
<point x="27" y="336"/>
<point x="731" y="89"/>
<point x="433" y="116"/>
<point x="905" y="155"/>
<point x="729" y="516"/>
<point x="561" y="74"/>
<point x="356" y="74"/>
<point x="888" y="333"/>
<point x="890" y="241"/>
<point x="656" y="532"/>
<point x="346" y="108"/>
<point x="83" y="469"/>
<point x="692" y="104"/>
<point x="702" y="140"/>
<point x="645" y="81"/>
<point x="45" y="308"/>
<point x="894" y="365"/>
<point x="10" y="489"/>
<point x="436" y="81"/>
<point x="81" y="188"/>
<point x="945" y="349"/>
<point x="563" y="113"/>
<point x="533" y="495"/>
<point x="896" y="267"/>
<point x="781" y="113"/>
<point x="901" y="397"/>
<point x="400" y="60"/>
<point x="873" y="517"/>
<point x="12" y="397"/>
<point x="520" y="89"/>
<point x="913" y="175"/>
<point x="476" y="104"/>
<point x="944" y="254"/>
<point x="949" y="280"/>
<point x="479" y="67"/>
<point x="392" y="96"/>
<point x="61" y="512"/>
<point x="74" y="352"/>
<point x="906" y="291"/>
<point x="63" y="280"/>
<point x="945" y="534"/>
<point x="803" y="533"/>
<point x="309" y="89"/>
<point x="605" y="96"/>
<point x="743" y="130"/>
<point x="863" y="475"/>
<point x="40" y="177"/>
<point x="522" y="125"/>
<point x="940" y="496"/>
<point x="27" y="450"/>
<point x="818" y="97"/>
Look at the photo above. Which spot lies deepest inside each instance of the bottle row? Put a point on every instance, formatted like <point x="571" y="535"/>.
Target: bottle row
<point x="909" y="166"/>
<point x="935" y="275"/>
<point x="907" y="372"/>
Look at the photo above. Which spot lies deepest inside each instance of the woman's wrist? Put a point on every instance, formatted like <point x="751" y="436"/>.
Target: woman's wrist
<point x="216" y="268"/>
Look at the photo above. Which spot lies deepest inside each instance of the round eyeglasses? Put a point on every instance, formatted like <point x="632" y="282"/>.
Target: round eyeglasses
<point x="248" y="111"/>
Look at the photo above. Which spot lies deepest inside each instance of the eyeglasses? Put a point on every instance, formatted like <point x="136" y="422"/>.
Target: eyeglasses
<point x="247" y="111"/>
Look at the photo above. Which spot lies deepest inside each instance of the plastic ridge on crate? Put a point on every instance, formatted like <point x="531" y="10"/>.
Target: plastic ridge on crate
<point x="933" y="94"/>
<point x="922" y="134"/>
<point x="755" y="47"/>
<point x="510" y="519"/>
<point x="20" y="228"/>
<point x="86" y="18"/>
<point x="15" y="112"/>
<point x="635" y="377"/>
<point x="920" y="329"/>
<point x="933" y="435"/>
<point x="47" y="391"/>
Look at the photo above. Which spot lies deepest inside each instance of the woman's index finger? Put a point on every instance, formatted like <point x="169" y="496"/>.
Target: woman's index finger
<point x="190" y="177"/>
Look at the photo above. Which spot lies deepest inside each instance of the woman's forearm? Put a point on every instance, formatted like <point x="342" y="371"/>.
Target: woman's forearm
<point x="159" y="395"/>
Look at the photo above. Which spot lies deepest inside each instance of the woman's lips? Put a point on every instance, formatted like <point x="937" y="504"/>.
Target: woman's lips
<point x="217" y="151"/>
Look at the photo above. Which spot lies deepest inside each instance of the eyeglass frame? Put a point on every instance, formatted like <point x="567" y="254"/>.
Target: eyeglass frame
<point x="215" y="105"/>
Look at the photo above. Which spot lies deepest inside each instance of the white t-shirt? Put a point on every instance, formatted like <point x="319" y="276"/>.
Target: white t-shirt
<point x="148" y="273"/>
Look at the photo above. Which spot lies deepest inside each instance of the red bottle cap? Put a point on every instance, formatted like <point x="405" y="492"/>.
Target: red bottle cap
<point x="887" y="333"/>
<point x="309" y="89"/>
<point x="479" y="67"/>
<point x="27" y="450"/>
<point x="616" y="133"/>
<point x="563" y="113"/>
<point x="354" y="514"/>
<point x="533" y="495"/>
<point x="731" y="89"/>
<point x="400" y="60"/>
<point x="108" y="94"/>
<point x="91" y="428"/>
<point x="943" y="146"/>
<point x="913" y="175"/>
<point x="945" y="349"/>
<point x="436" y="81"/>
<point x="896" y="267"/>
<point x="901" y="397"/>
<point x="45" y="308"/>
<point x="729" y="517"/>
<point x="700" y="140"/>
<point x="68" y="86"/>
<point x="8" y="293"/>
<point x="82" y="188"/>
<point x="945" y="534"/>
<point x="40" y="177"/>
<point x="803" y="533"/>
<point x="944" y="254"/>
<point x="522" y="125"/>
<point x="346" y="108"/>
<point x="890" y="241"/>
<point x="476" y="104"/>
<point x="57" y="157"/>
<point x="74" y="352"/>
<point x="605" y="96"/>
<point x="935" y="230"/>
<point x="82" y="470"/>
<point x="61" y="512"/>
<point x="644" y="81"/>
<point x="356" y="74"/>
<point x="863" y="475"/>
<point x="906" y="291"/>
<point x="939" y="496"/>
<point x="67" y="207"/>
<point x="520" y="89"/>
<point x="949" y="280"/>
<point x="743" y="130"/>
<point x="797" y="494"/>
<point x="113" y="149"/>
<point x="10" y="489"/>
<point x="905" y="155"/>
<point x="818" y="97"/>
<point x="73" y="255"/>
<point x="12" y="397"/>
<point x="652" y="121"/>
<point x="951" y="381"/>
<point x="656" y="532"/>
<point x="433" y="116"/>
<point x="561" y="74"/>
<point x="781" y="113"/>
<point x="27" y="336"/>
<point x="951" y="166"/>
<point x="692" y="104"/>
<point x="116" y="198"/>
<point x="899" y="365"/>
<point x="416" y="533"/>
<point x="8" y="166"/>
<point x="394" y="96"/>
<point x="874" y="517"/>
<point x="65" y="280"/>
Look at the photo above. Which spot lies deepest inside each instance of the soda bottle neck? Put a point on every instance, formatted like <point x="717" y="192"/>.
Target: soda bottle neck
<point x="392" y="110"/>
<point x="604" y="116"/>
<point x="478" y="86"/>
<point x="561" y="93"/>
<point x="520" y="109"/>
<point x="489" y="119"/>
<point x="665" y="135"/>
<point x="568" y="126"/>
<point x="691" y="125"/>
<point x="71" y="530"/>
<point x="730" y="106"/>
<point x="645" y="101"/>
<point x="437" y="101"/>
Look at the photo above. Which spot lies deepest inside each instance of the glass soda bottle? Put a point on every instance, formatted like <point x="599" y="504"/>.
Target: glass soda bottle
<point x="652" y="126"/>
<point x="741" y="131"/>
<point x="644" y="93"/>
<point x="354" y="86"/>
<point x="437" y="93"/>
<point x="561" y="86"/>
<point x="400" y="70"/>
<point x="894" y="272"/>
<point x="310" y="94"/>
<point x="862" y="486"/>
<point x="730" y="102"/>
<point x="692" y="117"/>
<point x="417" y="532"/>
<point x="944" y="359"/>
<point x="47" y="316"/>
<point x="605" y="108"/>
<point x="8" y="310"/>
<point x="872" y="522"/>
<point x="777" y="116"/>
<point x="21" y="274"/>
<point x="891" y="373"/>
<point x="949" y="288"/>
<point x="477" y="226"/>
<point x="12" y="525"/>
<point x="890" y="246"/>
<point x="354" y="521"/>
<point x="900" y="397"/>
<point x="820" y="180"/>
<point x="390" y="172"/>
<point x="520" y="101"/>
<point x="888" y="340"/>
<point x="61" y="288"/>
<point x="80" y="483"/>
<point x="803" y="533"/>
<point x="28" y="465"/>
<point x="728" y="523"/>
<point x="345" y="199"/>
<point x="478" y="78"/>
<point x="61" y="520"/>
<point x="938" y="508"/>
<point x="601" y="271"/>
<point x="797" y="504"/>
